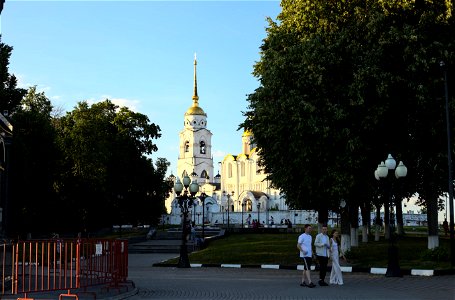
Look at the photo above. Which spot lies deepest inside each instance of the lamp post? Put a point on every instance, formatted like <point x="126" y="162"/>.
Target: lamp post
<point x="228" y="205"/>
<point x="449" y="160"/>
<point x="194" y="210"/>
<point x="258" y="207"/>
<point x="243" y="208"/>
<point x="185" y="201"/>
<point x="393" y="267"/>
<point x="202" y="197"/>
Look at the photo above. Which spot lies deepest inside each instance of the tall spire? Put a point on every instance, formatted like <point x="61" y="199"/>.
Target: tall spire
<point x="195" y="109"/>
<point x="195" y="96"/>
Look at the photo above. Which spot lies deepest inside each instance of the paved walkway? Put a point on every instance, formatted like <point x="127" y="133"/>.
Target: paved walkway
<point x="232" y="283"/>
<point x="255" y="283"/>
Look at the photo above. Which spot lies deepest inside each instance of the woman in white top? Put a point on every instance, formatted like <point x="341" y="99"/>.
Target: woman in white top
<point x="336" y="277"/>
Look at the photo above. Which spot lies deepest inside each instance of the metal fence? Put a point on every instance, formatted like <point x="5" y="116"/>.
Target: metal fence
<point x="61" y="264"/>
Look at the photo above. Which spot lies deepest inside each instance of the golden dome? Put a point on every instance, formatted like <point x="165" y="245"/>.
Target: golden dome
<point x="195" y="110"/>
<point x="247" y="133"/>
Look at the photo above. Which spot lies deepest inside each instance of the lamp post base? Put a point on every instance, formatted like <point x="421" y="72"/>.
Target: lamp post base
<point x="393" y="267"/>
<point x="184" y="261"/>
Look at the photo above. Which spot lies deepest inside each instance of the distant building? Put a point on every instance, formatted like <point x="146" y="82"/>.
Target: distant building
<point x="241" y="186"/>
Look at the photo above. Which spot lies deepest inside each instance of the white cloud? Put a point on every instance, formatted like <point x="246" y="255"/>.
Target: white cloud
<point x="129" y="103"/>
<point x="23" y="84"/>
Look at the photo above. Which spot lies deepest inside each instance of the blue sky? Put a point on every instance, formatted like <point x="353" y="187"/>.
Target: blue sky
<point x="140" y="54"/>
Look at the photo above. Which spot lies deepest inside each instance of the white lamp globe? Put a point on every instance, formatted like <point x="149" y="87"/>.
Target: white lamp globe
<point x="390" y="162"/>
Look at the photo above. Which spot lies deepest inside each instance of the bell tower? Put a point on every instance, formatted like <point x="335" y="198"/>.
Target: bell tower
<point x="195" y="153"/>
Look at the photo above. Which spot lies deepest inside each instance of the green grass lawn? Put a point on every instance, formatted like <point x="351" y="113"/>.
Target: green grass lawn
<point x="280" y="248"/>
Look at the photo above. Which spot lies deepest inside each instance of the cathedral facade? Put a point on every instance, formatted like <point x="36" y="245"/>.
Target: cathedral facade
<point x="238" y="191"/>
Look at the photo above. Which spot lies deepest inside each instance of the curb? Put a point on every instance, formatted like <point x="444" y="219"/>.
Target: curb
<point x="344" y="269"/>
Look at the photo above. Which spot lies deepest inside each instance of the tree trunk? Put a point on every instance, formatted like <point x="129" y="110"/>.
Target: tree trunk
<point x="345" y="242"/>
<point x="432" y="217"/>
<point x="354" y="237"/>
<point x="354" y="222"/>
<point x="365" y="234"/>
<point x="323" y="218"/>
<point x="377" y="233"/>
<point x="345" y="231"/>
<point x="366" y="221"/>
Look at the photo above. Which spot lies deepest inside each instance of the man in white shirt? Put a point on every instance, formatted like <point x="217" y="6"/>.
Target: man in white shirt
<point x="304" y="246"/>
<point x="322" y="245"/>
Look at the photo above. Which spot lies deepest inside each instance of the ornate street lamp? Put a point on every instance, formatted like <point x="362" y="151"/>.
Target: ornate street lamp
<point x="243" y="209"/>
<point x="228" y="205"/>
<point x="259" y="208"/>
<point x="185" y="202"/>
<point x="393" y="267"/>
<point x="202" y="197"/>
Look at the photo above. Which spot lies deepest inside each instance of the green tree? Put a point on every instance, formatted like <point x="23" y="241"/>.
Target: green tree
<point x="34" y="157"/>
<point x="343" y="83"/>
<point x="106" y="176"/>
<point x="10" y="94"/>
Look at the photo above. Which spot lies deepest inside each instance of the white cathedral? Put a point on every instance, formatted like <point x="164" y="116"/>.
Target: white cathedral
<point x="241" y="191"/>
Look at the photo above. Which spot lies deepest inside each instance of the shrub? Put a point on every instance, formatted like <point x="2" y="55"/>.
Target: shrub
<point x="437" y="254"/>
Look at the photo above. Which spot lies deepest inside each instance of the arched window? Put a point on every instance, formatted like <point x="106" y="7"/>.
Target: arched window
<point x="230" y="170"/>
<point x="187" y="146"/>
<point x="242" y="168"/>
<point x="204" y="174"/>
<point x="202" y="147"/>
<point x="249" y="205"/>
<point x="185" y="173"/>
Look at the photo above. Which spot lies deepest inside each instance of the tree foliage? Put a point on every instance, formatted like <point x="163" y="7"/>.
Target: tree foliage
<point x="80" y="172"/>
<point x="106" y="176"/>
<point x="344" y="83"/>
<point x="33" y="162"/>
<point x="10" y="94"/>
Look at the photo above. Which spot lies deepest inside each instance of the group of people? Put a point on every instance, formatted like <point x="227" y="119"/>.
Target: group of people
<point x="326" y="248"/>
<point x="286" y="222"/>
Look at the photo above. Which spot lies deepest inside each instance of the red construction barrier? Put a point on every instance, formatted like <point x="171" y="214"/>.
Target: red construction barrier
<point x="58" y="264"/>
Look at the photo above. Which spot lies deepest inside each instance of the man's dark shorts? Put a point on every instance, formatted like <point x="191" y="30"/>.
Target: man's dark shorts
<point x="307" y="261"/>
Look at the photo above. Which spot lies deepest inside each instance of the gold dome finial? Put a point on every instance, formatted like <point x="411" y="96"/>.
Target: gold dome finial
<point x="195" y="96"/>
<point x="195" y="109"/>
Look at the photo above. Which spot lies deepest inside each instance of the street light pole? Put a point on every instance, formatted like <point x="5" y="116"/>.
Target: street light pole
<point x="258" y="207"/>
<point x="228" y="206"/>
<point x="228" y="209"/>
<point x="243" y="208"/>
<point x="393" y="266"/>
<point x="449" y="160"/>
<point x="202" y="197"/>
<point x="185" y="202"/>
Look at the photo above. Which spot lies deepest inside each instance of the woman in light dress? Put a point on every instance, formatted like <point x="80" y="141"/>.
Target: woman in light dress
<point x="336" y="277"/>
